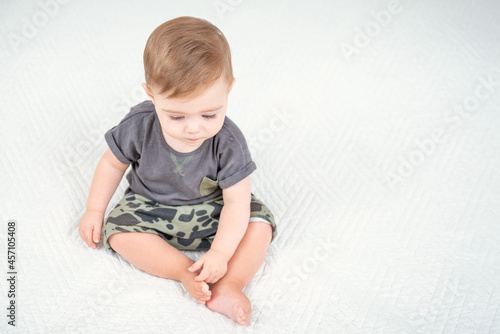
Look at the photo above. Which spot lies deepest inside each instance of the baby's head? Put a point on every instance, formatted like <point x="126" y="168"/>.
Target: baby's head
<point x="186" y="55"/>
<point x="189" y="75"/>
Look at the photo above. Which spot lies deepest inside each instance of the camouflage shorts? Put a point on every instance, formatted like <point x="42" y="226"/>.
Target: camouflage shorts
<point x="186" y="227"/>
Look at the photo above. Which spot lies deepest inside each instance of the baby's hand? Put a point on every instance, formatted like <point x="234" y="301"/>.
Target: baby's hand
<point x="90" y="228"/>
<point x="214" y="267"/>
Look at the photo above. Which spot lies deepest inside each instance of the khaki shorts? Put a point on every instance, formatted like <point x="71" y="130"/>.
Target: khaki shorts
<point x="186" y="227"/>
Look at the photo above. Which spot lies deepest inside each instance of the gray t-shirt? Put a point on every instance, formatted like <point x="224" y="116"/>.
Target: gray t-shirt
<point x="172" y="178"/>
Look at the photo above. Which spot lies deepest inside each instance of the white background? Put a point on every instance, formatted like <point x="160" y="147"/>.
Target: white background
<point x="374" y="125"/>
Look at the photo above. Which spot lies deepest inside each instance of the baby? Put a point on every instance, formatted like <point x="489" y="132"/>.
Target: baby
<point x="189" y="178"/>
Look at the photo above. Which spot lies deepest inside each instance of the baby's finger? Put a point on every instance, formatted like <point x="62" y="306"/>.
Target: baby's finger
<point x="214" y="279"/>
<point x="97" y="235"/>
<point x="209" y="277"/>
<point x="202" y="276"/>
<point x="88" y="239"/>
<point x="195" y="266"/>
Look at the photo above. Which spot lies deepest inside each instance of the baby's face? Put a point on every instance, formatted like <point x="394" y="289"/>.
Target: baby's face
<point x="187" y="122"/>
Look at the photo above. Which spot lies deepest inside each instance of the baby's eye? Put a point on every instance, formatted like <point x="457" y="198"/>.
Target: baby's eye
<point x="176" y="118"/>
<point x="209" y="116"/>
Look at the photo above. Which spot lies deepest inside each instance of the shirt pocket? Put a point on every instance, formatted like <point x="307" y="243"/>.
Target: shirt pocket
<point x="208" y="186"/>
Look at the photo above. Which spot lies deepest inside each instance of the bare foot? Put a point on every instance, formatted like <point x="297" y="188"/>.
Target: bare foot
<point x="199" y="290"/>
<point x="230" y="301"/>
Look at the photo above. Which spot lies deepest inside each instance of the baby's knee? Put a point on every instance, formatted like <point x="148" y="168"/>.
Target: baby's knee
<point x="261" y="228"/>
<point x="119" y="240"/>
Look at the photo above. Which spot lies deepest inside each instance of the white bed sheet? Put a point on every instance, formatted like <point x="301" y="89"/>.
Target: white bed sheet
<point x="375" y="128"/>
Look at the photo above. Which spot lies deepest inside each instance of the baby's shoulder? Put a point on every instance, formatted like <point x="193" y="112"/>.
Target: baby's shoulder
<point x="141" y="112"/>
<point x="230" y="131"/>
<point x="230" y="139"/>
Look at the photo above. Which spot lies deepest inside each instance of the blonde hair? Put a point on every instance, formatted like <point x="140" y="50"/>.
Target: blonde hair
<point x="185" y="55"/>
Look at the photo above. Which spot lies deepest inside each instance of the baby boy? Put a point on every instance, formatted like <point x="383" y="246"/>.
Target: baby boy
<point x="189" y="178"/>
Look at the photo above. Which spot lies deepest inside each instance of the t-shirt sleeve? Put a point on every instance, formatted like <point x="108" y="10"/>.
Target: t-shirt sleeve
<point x="124" y="140"/>
<point x="235" y="162"/>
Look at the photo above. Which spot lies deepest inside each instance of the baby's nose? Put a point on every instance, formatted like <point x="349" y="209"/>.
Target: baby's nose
<point x="193" y="127"/>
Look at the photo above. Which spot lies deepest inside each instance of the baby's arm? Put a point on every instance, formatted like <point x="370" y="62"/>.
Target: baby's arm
<point x="107" y="177"/>
<point x="233" y="223"/>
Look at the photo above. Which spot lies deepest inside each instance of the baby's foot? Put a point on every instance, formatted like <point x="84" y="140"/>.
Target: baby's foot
<point x="231" y="302"/>
<point x="199" y="290"/>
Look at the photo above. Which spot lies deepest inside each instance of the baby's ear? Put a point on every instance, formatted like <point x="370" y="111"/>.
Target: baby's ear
<point x="148" y="91"/>
<point x="231" y="85"/>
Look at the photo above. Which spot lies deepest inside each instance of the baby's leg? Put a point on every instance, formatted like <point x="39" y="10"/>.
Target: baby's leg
<point x="150" y="253"/>
<point x="227" y="297"/>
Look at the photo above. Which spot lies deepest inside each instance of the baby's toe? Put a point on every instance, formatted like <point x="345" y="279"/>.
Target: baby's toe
<point x="241" y="316"/>
<point x="202" y="292"/>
